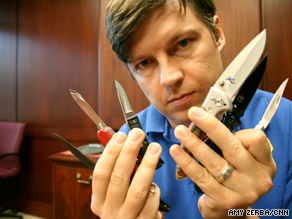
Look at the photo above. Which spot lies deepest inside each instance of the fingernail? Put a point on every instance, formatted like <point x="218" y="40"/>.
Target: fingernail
<point x="177" y="151"/>
<point x="153" y="149"/>
<point x="198" y="112"/>
<point x="183" y="131"/>
<point x="135" y="135"/>
<point x="120" y="138"/>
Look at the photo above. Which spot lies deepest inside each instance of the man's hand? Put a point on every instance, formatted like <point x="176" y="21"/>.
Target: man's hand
<point x="248" y="151"/>
<point x="115" y="194"/>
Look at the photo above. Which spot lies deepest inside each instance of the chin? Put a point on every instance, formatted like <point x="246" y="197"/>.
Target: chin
<point x="179" y="121"/>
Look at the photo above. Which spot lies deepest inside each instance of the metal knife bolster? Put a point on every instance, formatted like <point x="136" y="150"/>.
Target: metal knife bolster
<point x="107" y="128"/>
<point x="217" y="101"/>
<point x="133" y="122"/>
<point x="260" y="126"/>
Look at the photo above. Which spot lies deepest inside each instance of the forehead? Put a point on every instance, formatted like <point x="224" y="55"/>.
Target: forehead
<point x="163" y="26"/>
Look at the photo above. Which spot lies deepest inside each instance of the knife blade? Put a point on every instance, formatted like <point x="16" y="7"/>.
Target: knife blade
<point x="220" y="95"/>
<point x="85" y="160"/>
<point x="131" y="119"/>
<point x="272" y="107"/>
<point x="244" y="96"/>
<point x="104" y="132"/>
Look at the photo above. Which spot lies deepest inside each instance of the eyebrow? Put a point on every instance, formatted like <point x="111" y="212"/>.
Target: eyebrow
<point x="189" y="31"/>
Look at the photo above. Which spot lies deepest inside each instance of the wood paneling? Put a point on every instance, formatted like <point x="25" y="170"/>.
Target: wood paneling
<point x="240" y="21"/>
<point x="53" y="49"/>
<point x="111" y="69"/>
<point x="36" y="174"/>
<point x="58" y="51"/>
<point x="8" y="77"/>
<point x="277" y="20"/>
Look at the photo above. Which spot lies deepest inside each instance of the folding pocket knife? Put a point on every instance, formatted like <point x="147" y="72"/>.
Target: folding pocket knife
<point x="104" y="132"/>
<point x="240" y="103"/>
<point x="220" y="96"/>
<point x="131" y="119"/>
<point x="272" y="107"/>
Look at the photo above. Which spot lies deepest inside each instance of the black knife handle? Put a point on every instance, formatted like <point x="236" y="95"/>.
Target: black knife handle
<point x="163" y="206"/>
<point x="134" y="122"/>
<point x="230" y="120"/>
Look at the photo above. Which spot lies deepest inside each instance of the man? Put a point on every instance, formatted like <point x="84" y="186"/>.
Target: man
<point x="172" y="49"/>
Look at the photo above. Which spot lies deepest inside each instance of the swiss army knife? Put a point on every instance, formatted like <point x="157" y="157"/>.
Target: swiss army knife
<point x="104" y="132"/>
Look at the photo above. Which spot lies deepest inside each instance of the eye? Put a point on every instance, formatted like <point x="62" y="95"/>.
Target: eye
<point x="184" y="43"/>
<point x="144" y="63"/>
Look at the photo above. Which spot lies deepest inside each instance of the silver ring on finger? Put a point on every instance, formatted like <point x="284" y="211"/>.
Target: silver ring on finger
<point x="152" y="188"/>
<point x="225" y="174"/>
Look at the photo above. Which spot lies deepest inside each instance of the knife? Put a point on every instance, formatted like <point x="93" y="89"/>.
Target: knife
<point x="163" y="206"/>
<point x="85" y="160"/>
<point x="131" y="119"/>
<point x="272" y="108"/>
<point x="240" y="103"/>
<point x="220" y="95"/>
<point x="104" y="132"/>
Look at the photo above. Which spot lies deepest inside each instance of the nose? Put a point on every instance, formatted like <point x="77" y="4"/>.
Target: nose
<point x="170" y="73"/>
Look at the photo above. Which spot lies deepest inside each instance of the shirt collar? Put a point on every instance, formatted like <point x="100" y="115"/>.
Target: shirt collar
<point x="155" y="120"/>
<point x="158" y="123"/>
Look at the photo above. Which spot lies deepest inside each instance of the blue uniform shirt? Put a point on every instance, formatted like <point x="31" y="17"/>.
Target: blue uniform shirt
<point x="181" y="194"/>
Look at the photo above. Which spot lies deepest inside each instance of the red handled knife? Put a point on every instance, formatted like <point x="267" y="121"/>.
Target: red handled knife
<point x="104" y="132"/>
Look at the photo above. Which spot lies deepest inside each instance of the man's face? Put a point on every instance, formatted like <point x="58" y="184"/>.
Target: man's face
<point x="175" y="60"/>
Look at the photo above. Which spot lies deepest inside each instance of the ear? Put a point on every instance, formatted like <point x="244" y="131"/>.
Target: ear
<point x="221" y="40"/>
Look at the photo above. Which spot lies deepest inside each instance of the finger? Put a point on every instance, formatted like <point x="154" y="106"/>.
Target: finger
<point x="259" y="147"/>
<point x="246" y="166"/>
<point x="103" y="169"/>
<point x="230" y="146"/>
<point x="198" y="174"/>
<point x="121" y="174"/>
<point x="150" y="209"/>
<point x="214" y="163"/>
<point x="140" y="185"/>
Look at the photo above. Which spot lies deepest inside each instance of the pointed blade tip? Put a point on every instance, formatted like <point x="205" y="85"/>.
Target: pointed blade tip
<point x="73" y="92"/>
<point x="117" y="84"/>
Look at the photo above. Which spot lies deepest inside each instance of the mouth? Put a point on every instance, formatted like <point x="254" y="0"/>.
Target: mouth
<point x="181" y="100"/>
